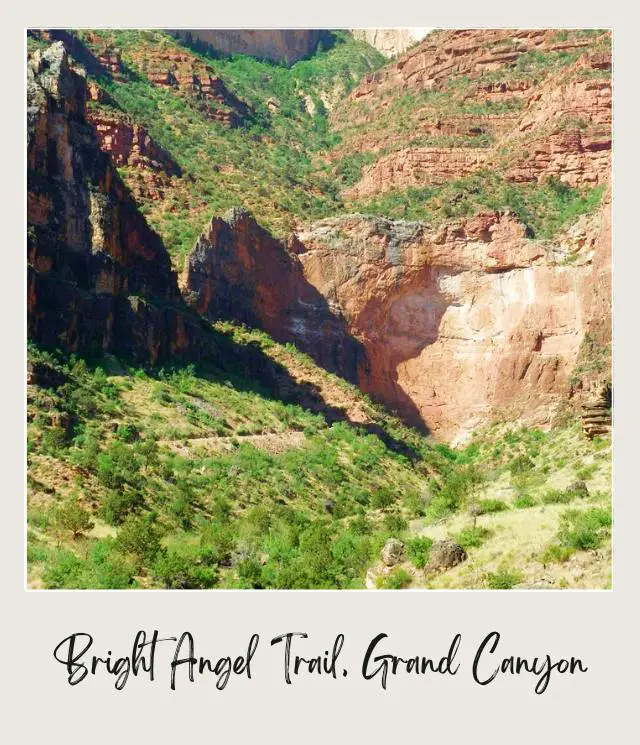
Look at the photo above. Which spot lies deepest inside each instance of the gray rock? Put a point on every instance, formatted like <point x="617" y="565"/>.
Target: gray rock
<point x="445" y="555"/>
<point x="579" y="488"/>
<point x="393" y="552"/>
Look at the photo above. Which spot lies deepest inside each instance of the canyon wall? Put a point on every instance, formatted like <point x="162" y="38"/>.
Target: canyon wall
<point x="391" y="41"/>
<point x="99" y="279"/>
<point x="278" y="45"/>
<point x="238" y="271"/>
<point x="450" y="328"/>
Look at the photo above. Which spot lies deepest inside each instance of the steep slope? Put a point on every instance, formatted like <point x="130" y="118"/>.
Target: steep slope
<point x="99" y="278"/>
<point x="243" y="132"/>
<point x="451" y="328"/>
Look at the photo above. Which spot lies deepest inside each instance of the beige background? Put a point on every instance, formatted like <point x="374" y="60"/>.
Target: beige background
<point x="597" y="707"/>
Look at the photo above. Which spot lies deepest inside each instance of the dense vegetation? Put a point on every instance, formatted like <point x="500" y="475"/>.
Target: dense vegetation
<point x="304" y="141"/>
<point x="542" y="208"/>
<point x="268" y="164"/>
<point x="196" y="477"/>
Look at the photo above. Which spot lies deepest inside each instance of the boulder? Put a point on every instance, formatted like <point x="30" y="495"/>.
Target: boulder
<point x="393" y="552"/>
<point x="445" y="555"/>
<point x="579" y="488"/>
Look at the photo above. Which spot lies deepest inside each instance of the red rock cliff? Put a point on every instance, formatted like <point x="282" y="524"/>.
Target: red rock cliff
<point x="99" y="279"/>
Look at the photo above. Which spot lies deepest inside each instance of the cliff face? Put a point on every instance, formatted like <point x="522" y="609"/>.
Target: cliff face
<point x="451" y="328"/>
<point x="452" y="321"/>
<point x="465" y="324"/>
<point x="390" y="41"/>
<point x="516" y="120"/>
<point x="277" y="45"/>
<point x="98" y="277"/>
<point x="238" y="271"/>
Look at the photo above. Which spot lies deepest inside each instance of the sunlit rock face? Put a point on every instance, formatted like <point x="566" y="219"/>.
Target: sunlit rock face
<point x="391" y="41"/>
<point x="278" y="45"/>
<point x="451" y="328"/>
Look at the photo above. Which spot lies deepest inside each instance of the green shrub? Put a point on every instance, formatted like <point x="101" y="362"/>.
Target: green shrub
<point x="418" y="550"/>
<point x="524" y="501"/>
<point x="139" y="537"/>
<point x="65" y="569"/>
<point x="555" y="553"/>
<point x="486" y="506"/>
<point x="394" y="523"/>
<point x="72" y="516"/>
<point x="472" y="537"/>
<point x="557" y="496"/>
<point x="117" y="505"/>
<point x="584" y="529"/>
<point x="185" y="568"/>
<point x="398" y="579"/>
<point x="521" y="464"/>
<point x="503" y="579"/>
<point x="382" y="498"/>
<point x="455" y="489"/>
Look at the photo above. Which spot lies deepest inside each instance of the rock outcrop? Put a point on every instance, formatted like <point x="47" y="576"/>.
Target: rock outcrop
<point x="238" y="271"/>
<point x="450" y="327"/>
<point x="278" y="45"/>
<point x="444" y="555"/>
<point x="417" y="167"/>
<point x="129" y="144"/>
<point x="524" y="104"/>
<point x="393" y="552"/>
<point x="174" y="69"/>
<point x="99" y="279"/>
<point x="391" y="42"/>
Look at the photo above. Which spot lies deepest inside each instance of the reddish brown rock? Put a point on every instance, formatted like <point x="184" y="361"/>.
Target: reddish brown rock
<point x="174" y="69"/>
<point x="417" y="167"/>
<point x="129" y="144"/>
<point x="238" y="271"/>
<point x="99" y="279"/>
<point x="452" y="327"/>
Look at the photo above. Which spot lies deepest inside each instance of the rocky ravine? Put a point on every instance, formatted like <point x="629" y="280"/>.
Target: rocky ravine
<point x="451" y="328"/>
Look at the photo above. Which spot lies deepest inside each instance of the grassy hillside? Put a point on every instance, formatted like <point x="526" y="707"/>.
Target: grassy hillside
<point x="267" y="164"/>
<point x="305" y="141"/>
<point x="200" y="477"/>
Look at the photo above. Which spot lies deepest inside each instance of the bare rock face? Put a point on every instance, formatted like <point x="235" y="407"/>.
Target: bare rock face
<point x="238" y="271"/>
<point x="417" y="167"/>
<point x="460" y="323"/>
<point x="392" y="552"/>
<point x="451" y="327"/>
<point x="278" y="45"/>
<point x="98" y="277"/>
<point x="390" y="41"/>
<point x="444" y="555"/>
<point x="129" y="144"/>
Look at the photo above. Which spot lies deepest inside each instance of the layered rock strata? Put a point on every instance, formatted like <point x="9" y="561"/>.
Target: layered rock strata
<point x="99" y="279"/>
<point x="451" y="327"/>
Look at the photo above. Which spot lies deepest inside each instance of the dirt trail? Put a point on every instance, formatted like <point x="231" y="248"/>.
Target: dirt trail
<point x="271" y="442"/>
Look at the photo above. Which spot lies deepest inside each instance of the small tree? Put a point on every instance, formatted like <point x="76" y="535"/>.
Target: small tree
<point x="72" y="516"/>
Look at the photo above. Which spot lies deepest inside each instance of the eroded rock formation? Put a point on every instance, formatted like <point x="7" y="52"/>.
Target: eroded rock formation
<point x="391" y="41"/>
<point x="277" y="45"/>
<point x="238" y="271"/>
<point x="451" y="327"/>
<point x="98" y="277"/>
